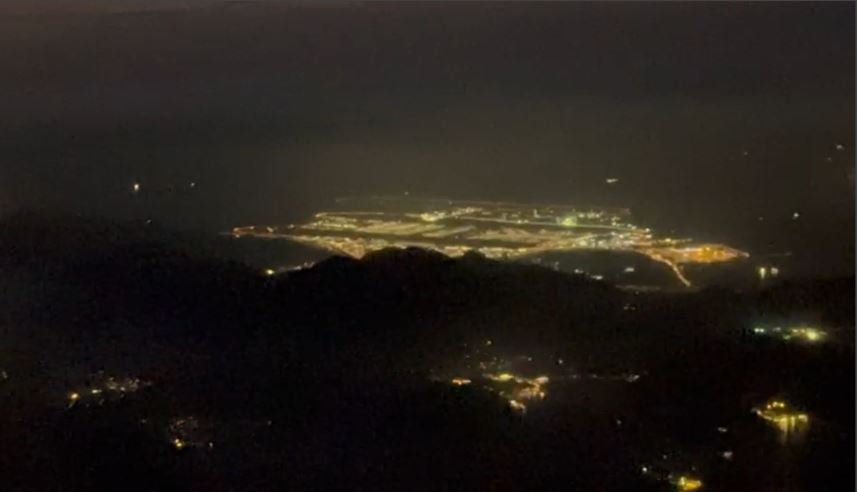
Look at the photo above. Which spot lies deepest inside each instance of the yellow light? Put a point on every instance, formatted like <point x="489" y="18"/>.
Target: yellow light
<point x="269" y="271"/>
<point x="503" y="377"/>
<point x="95" y="391"/>
<point x="178" y="443"/>
<point x="687" y="484"/>
<point x="460" y="381"/>
<point x="74" y="396"/>
<point x="136" y="187"/>
<point x="811" y="334"/>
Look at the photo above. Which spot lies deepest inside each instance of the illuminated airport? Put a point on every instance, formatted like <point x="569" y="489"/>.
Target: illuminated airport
<point x="498" y="230"/>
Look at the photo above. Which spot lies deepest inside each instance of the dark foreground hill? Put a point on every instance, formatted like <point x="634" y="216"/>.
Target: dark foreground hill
<point x="196" y="373"/>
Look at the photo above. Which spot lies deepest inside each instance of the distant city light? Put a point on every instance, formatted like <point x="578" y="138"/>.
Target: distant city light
<point x="611" y="180"/>
<point x="517" y="406"/>
<point x="763" y="272"/>
<point x="799" y="333"/>
<point x="687" y="484"/>
<point x="840" y="147"/>
<point x="778" y="413"/>
<point x="135" y="187"/>
<point x="269" y="271"/>
<point x="454" y="228"/>
<point x="795" y="215"/>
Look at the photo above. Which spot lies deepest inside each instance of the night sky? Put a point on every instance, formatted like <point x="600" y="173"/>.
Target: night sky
<point x="710" y="115"/>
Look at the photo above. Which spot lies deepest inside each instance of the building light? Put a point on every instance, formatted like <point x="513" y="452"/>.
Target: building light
<point x="135" y="187"/>
<point x="763" y="272"/>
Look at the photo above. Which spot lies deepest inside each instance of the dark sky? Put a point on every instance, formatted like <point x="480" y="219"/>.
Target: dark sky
<point x="275" y="109"/>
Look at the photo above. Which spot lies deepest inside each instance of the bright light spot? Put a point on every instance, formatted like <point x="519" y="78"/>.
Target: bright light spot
<point x="269" y="271"/>
<point x="795" y="215"/>
<point x="135" y="187"/>
<point x="727" y="455"/>
<point x="722" y="430"/>
<point x="193" y="184"/>
<point x="840" y="147"/>
<point x="74" y="396"/>
<point x="517" y="406"/>
<point x="775" y="271"/>
<point x="460" y="381"/>
<point x="611" y="180"/>
<point x="629" y="269"/>
<point x="178" y="443"/>
<point x="687" y="484"/>
<point x="504" y="377"/>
